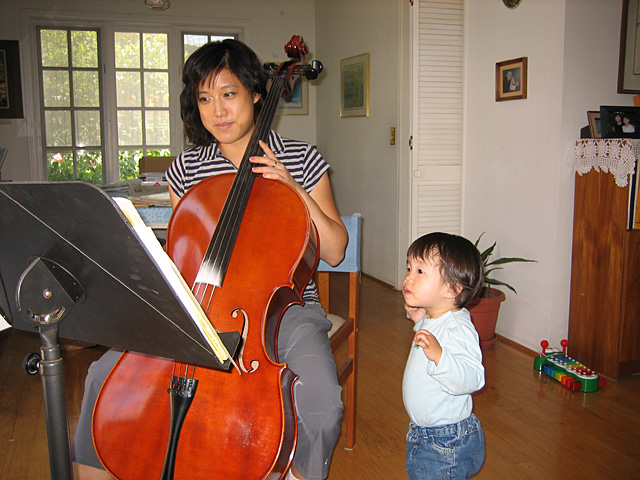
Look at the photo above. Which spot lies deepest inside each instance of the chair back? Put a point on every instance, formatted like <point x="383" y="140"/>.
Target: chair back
<point x="345" y="329"/>
<point x="351" y="262"/>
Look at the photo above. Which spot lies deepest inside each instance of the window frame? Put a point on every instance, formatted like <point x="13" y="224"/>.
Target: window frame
<point x="107" y="25"/>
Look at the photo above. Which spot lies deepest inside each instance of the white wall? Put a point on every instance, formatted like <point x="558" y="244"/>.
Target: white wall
<point x="518" y="184"/>
<point x="364" y="164"/>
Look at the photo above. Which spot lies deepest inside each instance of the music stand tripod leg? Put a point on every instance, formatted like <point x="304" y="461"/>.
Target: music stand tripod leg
<point x="55" y="406"/>
<point x="46" y="293"/>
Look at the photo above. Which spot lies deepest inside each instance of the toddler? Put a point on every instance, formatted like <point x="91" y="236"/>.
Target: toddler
<point x="445" y="439"/>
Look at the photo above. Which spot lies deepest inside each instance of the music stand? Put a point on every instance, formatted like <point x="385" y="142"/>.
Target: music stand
<point x="72" y="267"/>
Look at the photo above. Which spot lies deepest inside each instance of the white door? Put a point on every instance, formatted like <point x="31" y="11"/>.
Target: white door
<point x="436" y="160"/>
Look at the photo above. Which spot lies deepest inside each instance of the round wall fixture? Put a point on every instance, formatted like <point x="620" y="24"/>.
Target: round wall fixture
<point x="511" y="3"/>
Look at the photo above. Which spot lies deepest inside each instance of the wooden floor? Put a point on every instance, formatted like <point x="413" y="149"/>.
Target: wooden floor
<point x="534" y="427"/>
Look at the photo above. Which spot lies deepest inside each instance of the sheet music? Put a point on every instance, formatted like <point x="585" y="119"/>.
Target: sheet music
<point x="3" y="323"/>
<point x="174" y="278"/>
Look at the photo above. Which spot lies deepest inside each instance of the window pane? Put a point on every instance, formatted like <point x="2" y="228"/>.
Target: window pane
<point x="58" y="127"/>
<point x="129" y="127"/>
<point x="90" y="166"/>
<point x="155" y="50"/>
<point x="162" y="152"/>
<point x="157" y="127"/>
<point x="60" y="166"/>
<point x="55" y="51"/>
<point x="192" y="43"/>
<point x="127" y="50"/>
<point x="129" y="164"/>
<point x="88" y="128"/>
<point x="156" y="89"/>
<point x="55" y="84"/>
<point x="86" y="89"/>
<point x="128" y="89"/>
<point x="219" y="38"/>
<point x="84" y="49"/>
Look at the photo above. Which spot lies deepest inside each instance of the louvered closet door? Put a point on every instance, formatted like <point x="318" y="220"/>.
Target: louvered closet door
<point x="437" y="117"/>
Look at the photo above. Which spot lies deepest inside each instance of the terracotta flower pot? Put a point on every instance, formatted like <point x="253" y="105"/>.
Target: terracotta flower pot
<point x="484" y="315"/>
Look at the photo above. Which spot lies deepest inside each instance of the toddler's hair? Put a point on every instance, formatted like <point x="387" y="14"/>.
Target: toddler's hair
<point x="459" y="261"/>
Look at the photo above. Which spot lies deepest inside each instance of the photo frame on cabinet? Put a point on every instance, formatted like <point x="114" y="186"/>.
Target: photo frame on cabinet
<point x="594" y="124"/>
<point x="628" y="62"/>
<point x="10" y="83"/>
<point x="619" y="122"/>
<point x="511" y="79"/>
<point x="354" y="86"/>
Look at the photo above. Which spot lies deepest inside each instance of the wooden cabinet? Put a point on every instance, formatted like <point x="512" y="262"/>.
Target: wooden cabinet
<point x="604" y="316"/>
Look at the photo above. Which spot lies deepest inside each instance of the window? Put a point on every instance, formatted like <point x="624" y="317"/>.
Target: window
<point x="142" y="98"/>
<point x="71" y="108"/>
<point x="107" y="97"/>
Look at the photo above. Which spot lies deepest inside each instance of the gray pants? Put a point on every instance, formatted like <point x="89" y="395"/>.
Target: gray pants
<point x="305" y="348"/>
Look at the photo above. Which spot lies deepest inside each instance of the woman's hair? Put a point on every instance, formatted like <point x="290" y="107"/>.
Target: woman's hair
<point x="459" y="261"/>
<point x="207" y="62"/>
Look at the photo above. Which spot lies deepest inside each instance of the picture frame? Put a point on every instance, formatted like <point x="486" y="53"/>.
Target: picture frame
<point x="628" y="62"/>
<point x="619" y="121"/>
<point x="297" y="102"/>
<point x="511" y="79"/>
<point x="10" y="83"/>
<point x="3" y="155"/>
<point x="594" y="124"/>
<point x="354" y="86"/>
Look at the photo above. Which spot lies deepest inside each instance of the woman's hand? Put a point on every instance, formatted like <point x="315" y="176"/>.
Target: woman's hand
<point x="270" y="167"/>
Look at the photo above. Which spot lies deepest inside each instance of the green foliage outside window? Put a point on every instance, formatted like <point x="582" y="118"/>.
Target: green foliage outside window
<point x="60" y="165"/>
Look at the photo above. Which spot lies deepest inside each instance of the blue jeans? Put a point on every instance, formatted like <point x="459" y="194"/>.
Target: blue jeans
<point x="454" y="451"/>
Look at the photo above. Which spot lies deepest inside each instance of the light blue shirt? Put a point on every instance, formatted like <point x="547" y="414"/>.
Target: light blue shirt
<point x="440" y="394"/>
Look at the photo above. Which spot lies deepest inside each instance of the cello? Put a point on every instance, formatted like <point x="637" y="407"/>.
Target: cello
<point x="241" y="424"/>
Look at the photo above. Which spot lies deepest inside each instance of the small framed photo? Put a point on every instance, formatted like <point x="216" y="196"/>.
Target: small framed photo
<point x="354" y="86"/>
<point x="594" y="124"/>
<point x="511" y="79"/>
<point x="10" y="84"/>
<point x="619" y="122"/>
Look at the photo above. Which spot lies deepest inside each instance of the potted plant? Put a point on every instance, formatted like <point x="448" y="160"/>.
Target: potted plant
<point x="484" y="310"/>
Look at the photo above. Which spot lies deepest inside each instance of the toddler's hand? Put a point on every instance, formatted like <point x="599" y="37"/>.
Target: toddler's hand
<point x="415" y="313"/>
<point x="430" y="346"/>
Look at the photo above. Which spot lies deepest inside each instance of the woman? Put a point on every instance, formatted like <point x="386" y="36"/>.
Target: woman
<point x="224" y="87"/>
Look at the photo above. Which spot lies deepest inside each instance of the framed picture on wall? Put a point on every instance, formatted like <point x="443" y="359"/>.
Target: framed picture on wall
<point x="628" y="61"/>
<point x="511" y="79"/>
<point x="619" y="122"/>
<point x="297" y="101"/>
<point x="354" y="86"/>
<point x="10" y="86"/>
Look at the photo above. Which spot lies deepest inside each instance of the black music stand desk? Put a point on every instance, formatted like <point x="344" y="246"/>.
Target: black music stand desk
<point x="71" y="266"/>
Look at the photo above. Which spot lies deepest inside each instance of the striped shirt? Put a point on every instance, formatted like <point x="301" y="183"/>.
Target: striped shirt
<point x="304" y="162"/>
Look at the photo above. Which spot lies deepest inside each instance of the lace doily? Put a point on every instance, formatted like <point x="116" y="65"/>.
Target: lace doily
<point x="615" y="155"/>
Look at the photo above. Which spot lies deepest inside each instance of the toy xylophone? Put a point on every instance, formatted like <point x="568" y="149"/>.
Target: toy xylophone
<point x="571" y="373"/>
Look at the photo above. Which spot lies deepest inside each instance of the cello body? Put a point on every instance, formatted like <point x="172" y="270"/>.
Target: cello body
<point x="240" y="426"/>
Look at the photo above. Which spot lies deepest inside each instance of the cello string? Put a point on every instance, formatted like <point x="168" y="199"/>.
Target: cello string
<point x="218" y="253"/>
<point x="220" y="249"/>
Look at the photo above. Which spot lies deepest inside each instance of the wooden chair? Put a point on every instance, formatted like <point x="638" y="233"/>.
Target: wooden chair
<point x="345" y="329"/>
